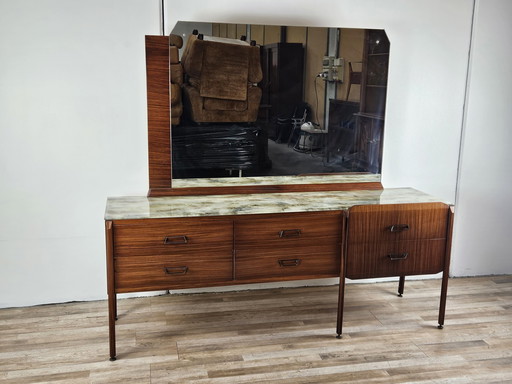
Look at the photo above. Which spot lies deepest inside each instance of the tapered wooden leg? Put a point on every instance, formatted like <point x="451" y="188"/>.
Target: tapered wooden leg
<point x="343" y="263"/>
<point x="442" y="303"/>
<point x="115" y="306"/>
<point x="341" y="300"/>
<point x="112" y="325"/>
<point x="111" y="289"/>
<point x="401" y="284"/>
<point x="446" y="270"/>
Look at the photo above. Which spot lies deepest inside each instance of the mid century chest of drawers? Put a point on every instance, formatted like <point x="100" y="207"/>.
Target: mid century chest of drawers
<point x="164" y="243"/>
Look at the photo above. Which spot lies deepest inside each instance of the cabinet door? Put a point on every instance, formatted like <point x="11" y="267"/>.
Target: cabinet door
<point x="172" y="253"/>
<point x="396" y="240"/>
<point x="288" y="246"/>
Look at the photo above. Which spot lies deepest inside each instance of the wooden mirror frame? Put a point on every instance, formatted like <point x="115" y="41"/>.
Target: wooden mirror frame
<point x="159" y="138"/>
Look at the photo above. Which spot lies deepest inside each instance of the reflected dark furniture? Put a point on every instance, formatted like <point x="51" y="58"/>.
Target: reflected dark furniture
<point x="354" y="77"/>
<point x="176" y="75"/>
<point x="221" y="80"/>
<point x="342" y="129"/>
<point x="282" y="85"/>
<point x="368" y="144"/>
<point x="232" y="147"/>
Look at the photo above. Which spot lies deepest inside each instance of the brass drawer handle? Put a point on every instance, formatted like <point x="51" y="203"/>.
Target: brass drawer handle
<point x="289" y="262"/>
<point x="399" y="228"/>
<point x="176" y="270"/>
<point x="171" y="240"/>
<point x="398" y="256"/>
<point x="290" y="233"/>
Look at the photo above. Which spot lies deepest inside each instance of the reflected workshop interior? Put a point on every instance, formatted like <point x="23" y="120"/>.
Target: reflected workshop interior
<point x="260" y="100"/>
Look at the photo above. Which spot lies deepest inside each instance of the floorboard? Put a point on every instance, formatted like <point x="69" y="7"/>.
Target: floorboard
<point x="270" y="336"/>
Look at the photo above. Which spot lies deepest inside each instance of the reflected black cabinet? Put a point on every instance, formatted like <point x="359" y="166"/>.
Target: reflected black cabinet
<point x="368" y="141"/>
<point x="375" y="72"/>
<point x="283" y="78"/>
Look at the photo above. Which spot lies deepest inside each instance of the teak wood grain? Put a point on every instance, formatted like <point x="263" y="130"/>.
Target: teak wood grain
<point x="412" y="257"/>
<point x="248" y="189"/>
<point x="159" y="111"/>
<point x="372" y="223"/>
<point x="175" y="271"/>
<point x="287" y="228"/>
<point x="171" y="236"/>
<point x="269" y="263"/>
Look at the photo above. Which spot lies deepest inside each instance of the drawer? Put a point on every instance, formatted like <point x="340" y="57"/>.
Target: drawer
<point x="146" y="273"/>
<point x="374" y="223"/>
<point x="369" y="260"/>
<point x="271" y="263"/>
<point x="288" y="228"/>
<point x="170" y="236"/>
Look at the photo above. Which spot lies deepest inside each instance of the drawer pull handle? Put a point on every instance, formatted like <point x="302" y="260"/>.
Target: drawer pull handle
<point x="175" y="240"/>
<point x="399" y="228"/>
<point x="289" y="233"/>
<point x="176" y="270"/>
<point x="398" y="256"/>
<point x="289" y="262"/>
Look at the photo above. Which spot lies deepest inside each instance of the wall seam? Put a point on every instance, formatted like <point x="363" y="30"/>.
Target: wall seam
<point x="465" y="104"/>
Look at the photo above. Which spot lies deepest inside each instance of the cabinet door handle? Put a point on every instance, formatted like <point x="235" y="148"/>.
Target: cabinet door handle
<point x="176" y="270"/>
<point x="399" y="228"/>
<point x="398" y="256"/>
<point x="290" y="233"/>
<point x="175" y="240"/>
<point x="289" y="262"/>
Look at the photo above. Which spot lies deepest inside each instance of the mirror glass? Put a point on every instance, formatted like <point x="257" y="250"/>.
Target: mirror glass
<point x="276" y="104"/>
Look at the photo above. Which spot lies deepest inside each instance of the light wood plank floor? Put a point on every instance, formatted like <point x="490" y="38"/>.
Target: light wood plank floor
<point x="270" y="336"/>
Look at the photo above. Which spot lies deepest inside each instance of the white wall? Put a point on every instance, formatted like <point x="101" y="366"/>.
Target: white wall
<point x="73" y="122"/>
<point x="484" y="205"/>
<point x="72" y="132"/>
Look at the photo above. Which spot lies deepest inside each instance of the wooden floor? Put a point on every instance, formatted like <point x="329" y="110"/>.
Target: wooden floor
<point x="270" y="336"/>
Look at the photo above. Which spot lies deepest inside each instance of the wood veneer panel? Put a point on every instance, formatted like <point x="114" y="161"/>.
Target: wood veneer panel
<point x="171" y="236"/>
<point x="288" y="229"/>
<point x="372" y="260"/>
<point x="372" y="223"/>
<point x="202" y="191"/>
<point x="313" y="261"/>
<point x="174" y="271"/>
<point x="159" y="115"/>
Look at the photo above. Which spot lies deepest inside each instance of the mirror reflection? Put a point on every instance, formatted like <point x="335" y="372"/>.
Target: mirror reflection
<point x="262" y="100"/>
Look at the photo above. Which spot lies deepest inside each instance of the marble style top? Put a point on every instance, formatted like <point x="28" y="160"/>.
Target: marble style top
<point x="141" y="207"/>
<point x="277" y="180"/>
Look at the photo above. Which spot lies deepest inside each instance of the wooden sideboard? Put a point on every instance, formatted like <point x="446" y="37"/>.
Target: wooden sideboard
<point x="175" y="242"/>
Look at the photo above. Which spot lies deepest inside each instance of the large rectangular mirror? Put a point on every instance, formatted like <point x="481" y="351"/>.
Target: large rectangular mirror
<point x="275" y="105"/>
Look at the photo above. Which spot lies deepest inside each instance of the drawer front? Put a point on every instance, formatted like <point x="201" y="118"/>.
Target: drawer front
<point x="170" y="236"/>
<point x="387" y="259"/>
<point x="288" y="228"/>
<point x="374" y="223"/>
<point x="155" y="272"/>
<point x="267" y="264"/>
